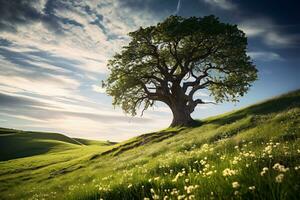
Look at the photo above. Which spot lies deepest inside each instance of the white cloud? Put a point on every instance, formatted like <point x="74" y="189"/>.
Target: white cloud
<point x="265" y="56"/>
<point x="97" y="88"/>
<point x="270" y="33"/>
<point x="222" y="4"/>
<point x="58" y="71"/>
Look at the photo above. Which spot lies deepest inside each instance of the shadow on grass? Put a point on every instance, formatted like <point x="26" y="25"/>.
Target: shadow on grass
<point x="142" y="140"/>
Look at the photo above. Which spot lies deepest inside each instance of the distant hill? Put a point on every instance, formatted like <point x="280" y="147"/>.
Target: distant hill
<point x="18" y="144"/>
<point x="94" y="142"/>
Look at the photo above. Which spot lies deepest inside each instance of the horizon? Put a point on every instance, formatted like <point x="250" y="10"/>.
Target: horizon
<point x="227" y="112"/>
<point x="51" y="81"/>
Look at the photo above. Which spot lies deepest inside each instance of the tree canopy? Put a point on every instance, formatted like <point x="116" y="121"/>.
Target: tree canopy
<point x="172" y="61"/>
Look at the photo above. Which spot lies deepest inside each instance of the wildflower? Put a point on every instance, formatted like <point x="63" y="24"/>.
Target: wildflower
<point x="229" y="172"/>
<point x="145" y="198"/>
<point x="280" y="168"/>
<point x="235" y="184"/>
<point x="156" y="178"/>
<point x="166" y="197"/>
<point x="236" y="193"/>
<point x="181" y="197"/>
<point x="130" y="185"/>
<point x="177" y="177"/>
<point x="279" y="178"/>
<point x="264" y="170"/>
<point x="209" y="173"/>
<point x="187" y="180"/>
<point x="252" y="188"/>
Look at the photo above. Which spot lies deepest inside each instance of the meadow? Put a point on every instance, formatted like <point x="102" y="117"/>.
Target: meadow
<point x="251" y="153"/>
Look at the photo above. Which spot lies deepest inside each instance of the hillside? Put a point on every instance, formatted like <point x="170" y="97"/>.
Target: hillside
<point x="94" y="142"/>
<point x="252" y="153"/>
<point x="19" y="144"/>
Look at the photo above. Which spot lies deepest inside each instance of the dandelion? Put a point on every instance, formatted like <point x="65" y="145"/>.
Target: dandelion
<point x="279" y="178"/>
<point x="235" y="184"/>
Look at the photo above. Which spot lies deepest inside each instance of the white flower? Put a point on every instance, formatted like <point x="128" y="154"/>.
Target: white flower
<point x="229" y="172"/>
<point x="235" y="184"/>
<point x="279" y="178"/>
<point x="252" y="187"/>
<point x="264" y="170"/>
<point x="280" y="168"/>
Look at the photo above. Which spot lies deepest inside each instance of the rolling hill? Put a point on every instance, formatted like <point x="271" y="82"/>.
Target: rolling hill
<point x="252" y="153"/>
<point x="19" y="144"/>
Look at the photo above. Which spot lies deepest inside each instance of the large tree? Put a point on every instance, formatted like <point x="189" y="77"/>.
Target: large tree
<point x="172" y="61"/>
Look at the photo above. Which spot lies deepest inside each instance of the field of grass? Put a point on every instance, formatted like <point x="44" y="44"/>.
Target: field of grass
<point x="252" y="153"/>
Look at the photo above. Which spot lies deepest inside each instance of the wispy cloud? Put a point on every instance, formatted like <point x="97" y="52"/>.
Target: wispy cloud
<point x="98" y="88"/>
<point x="178" y="7"/>
<point x="272" y="34"/>
<point x="53" y="53"/>
<point x="221" y="4"/>
<point x="265" y="56"/>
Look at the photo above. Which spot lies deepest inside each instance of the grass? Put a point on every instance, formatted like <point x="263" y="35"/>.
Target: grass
<point x="18" y="144"/>
<point x="252" y="153"/>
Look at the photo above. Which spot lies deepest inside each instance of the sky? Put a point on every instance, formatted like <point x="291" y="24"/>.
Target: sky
<point x="53" y="56"/>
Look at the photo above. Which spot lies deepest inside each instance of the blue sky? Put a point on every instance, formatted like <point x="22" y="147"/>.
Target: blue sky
<point x="53" y="56"/>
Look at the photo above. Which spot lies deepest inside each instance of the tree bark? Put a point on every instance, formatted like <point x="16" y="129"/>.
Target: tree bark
<point x="181" y="116"/>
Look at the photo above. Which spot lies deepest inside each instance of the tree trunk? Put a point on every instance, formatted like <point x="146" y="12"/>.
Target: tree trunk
<point x="181" y="116"/>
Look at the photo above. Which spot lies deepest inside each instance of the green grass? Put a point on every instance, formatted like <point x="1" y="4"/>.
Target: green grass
<point x="177" y="163"/>
<point x="19" y="144"/>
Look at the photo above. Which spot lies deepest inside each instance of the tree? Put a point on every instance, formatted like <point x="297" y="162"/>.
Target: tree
<point x="172" y="61"/>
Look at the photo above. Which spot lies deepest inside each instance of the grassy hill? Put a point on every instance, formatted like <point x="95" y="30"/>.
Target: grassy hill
<point x="252" y="153"/>
<point x="94" y="142"/>
<point x="19" y="144"/>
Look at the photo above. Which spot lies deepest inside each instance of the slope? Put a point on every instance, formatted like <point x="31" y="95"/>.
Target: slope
<point x="252" y="153"/>
<point x="19" y="144"/>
